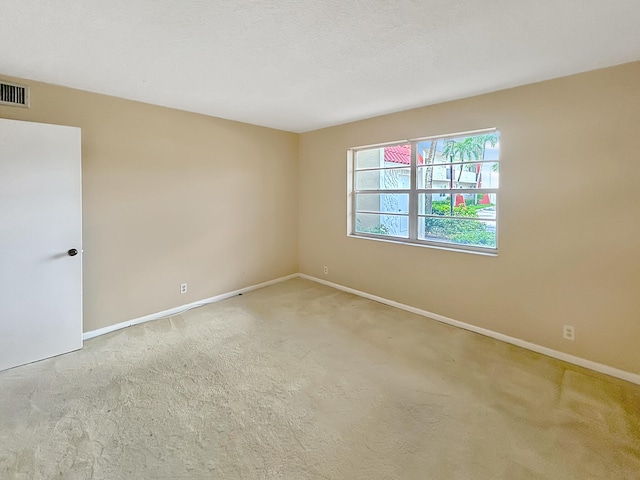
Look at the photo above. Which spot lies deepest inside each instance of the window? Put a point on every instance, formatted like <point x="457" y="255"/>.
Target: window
<point x="440" y="191"/>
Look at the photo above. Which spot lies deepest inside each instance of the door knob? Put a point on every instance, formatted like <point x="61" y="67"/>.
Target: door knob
<point x="73" y="252"/>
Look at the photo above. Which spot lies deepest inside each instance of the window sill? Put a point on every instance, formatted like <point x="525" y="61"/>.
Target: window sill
<point x="458" y="249"/>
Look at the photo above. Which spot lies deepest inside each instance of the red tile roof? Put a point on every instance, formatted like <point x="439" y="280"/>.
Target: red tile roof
<point x="400" y="154"/>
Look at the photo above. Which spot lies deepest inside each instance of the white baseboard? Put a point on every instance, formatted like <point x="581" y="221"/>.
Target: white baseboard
<point x="581" y="362"/>
<point x="183" y="308"/>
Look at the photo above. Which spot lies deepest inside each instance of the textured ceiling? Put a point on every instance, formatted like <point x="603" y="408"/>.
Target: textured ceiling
<point x="300" y="65"/>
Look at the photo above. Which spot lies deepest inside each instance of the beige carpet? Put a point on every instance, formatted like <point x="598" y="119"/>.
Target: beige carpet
<point x="300" y="381"/>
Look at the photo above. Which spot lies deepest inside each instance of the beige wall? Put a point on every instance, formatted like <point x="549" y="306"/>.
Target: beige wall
<point x="172" y="197"/>
<point x="569" y="220"/>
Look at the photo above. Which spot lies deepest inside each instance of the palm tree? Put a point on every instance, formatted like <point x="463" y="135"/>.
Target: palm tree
<point x="428" y="175"/>
<point x="470" y="149"/>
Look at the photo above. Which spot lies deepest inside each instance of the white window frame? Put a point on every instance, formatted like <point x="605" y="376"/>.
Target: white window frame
<point x="413" y="192"/>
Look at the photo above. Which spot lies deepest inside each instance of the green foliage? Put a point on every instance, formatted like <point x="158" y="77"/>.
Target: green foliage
<point x="443" y="207"/>
<point x="479" y="238"/>
<point x="465" y="232"/>
<point x="473" y="209"/>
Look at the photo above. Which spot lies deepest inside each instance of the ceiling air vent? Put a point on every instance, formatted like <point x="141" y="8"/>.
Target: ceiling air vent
<point x="13" y="94"/>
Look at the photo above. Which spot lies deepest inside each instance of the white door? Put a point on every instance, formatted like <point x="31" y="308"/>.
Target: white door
<point x="40" y="226"/>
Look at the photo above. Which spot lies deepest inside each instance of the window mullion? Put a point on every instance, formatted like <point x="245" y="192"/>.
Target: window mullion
<point x="413" y="194"/>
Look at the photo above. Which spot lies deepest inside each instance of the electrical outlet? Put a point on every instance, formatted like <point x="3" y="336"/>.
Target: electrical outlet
<point x="326" y="270"/>
<point x="569" y="332"/>
<point x="183" y="288"/>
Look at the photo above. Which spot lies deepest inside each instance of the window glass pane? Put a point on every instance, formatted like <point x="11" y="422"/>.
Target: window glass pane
<point x="430" y="152"/>
<point x="487" y="174"/>
<point x="389" y="179"/>
<point x="383" y="202"/>
<point x="469" y="148"/>
<point x="438" y="176"/>
<point x="479" y="233"/>
<point x="380" y="224"/>
<point x="395" y="156"/>
<point x="467" y="175"/>
<point x="461" y="205"/>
